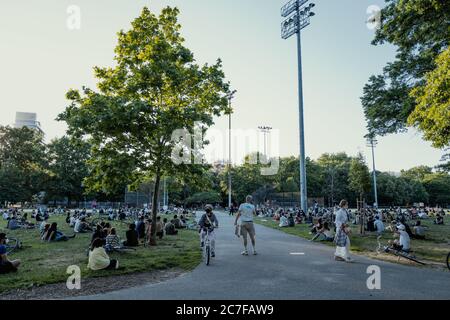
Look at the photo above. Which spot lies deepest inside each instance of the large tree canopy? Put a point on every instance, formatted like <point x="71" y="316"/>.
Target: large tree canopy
<point x="420" y="31"/>
<point x="154" y="89"/>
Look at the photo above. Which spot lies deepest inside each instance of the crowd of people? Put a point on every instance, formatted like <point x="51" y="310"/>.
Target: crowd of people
<point x="104" y="236"/>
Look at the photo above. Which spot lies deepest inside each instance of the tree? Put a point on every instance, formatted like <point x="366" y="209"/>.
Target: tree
<point x="23" y="163"/>
<point x="67" y="162"/>
<point x="155" y="89"/>
<point x="432" y="113"/>
<point x="417" y="173"/>
<point x="335" y="170"/>
<point x="210" y="197"/>
<point x="438" y="187"/>
<point x="359" y="176"/>
<point x="419" y="30"/>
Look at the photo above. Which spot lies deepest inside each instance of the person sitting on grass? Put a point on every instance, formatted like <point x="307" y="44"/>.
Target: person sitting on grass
<point x="81" y="226"/>
<point x="42" y="226"/>
<point x="6" y="265"/>
<point x="284" y="222"/>
<point x="177" y="222"/>
<point x="169" y="227"/>
<point x="318" y="226"/>
<point x="324" y="234"/>
<point x="379" y="226"/>
<point x="404" y="243"/>
<point x="13" y="223"/>
<point x="98" y="233"/>
<point x="99" y="259"/>
<point x="159" y="228"/>
<point x="291" y="220"/>
<point x="418" y="231"/>
<point x="439" y="220"/>
<point x="132" y="236"/>
<point x="52" y="234"/>
<point x="112" y="240"/>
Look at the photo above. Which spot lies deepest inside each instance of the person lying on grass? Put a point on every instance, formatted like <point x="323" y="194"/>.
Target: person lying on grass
<point x="99" y="259"/>
<point x="53" y="234"/>
<point x="6" y="265"/>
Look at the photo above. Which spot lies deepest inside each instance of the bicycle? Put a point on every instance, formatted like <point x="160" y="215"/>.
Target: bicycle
<point x="207" y="247"/>
<point x="398" y="253"/>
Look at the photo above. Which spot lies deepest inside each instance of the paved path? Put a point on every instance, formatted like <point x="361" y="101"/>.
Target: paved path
<point x="277" y="274"/>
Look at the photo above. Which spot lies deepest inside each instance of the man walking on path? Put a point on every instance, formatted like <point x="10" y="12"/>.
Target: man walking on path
<point x="246" y="212"/>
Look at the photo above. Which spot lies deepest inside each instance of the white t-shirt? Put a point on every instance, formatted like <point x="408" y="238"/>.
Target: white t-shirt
<point x="5" y="215"/>
<point x="379" y="225"/>
<point x="284" y="222"/>
<point x="341" y="218"/>
<point x="247" y="210"/>
<point x="77" y="226"/>
<point x="404" y="240"/>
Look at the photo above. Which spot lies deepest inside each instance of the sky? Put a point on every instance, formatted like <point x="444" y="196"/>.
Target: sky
<point x="41" y="58"/>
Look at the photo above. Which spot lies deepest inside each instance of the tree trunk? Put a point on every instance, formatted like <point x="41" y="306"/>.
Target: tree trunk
<point x="155" y="209"/>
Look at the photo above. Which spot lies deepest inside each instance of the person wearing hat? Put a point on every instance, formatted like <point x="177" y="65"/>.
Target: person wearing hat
<point x="404" y="242"/>
<point x="208" y="222"/>
<point x="6" y="265"/>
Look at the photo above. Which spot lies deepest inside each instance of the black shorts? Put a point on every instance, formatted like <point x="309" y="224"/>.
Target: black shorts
<point x="7" y="267"/>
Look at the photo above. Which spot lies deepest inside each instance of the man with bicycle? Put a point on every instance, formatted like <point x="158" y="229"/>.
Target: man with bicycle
<point x="208" y="222"/>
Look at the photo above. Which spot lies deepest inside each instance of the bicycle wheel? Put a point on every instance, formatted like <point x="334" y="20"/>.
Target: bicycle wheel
<point x="207" y="255"/>
<point x="448" y="261"/>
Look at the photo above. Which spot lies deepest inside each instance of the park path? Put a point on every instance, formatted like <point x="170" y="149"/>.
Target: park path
<point x="277" y="273"/>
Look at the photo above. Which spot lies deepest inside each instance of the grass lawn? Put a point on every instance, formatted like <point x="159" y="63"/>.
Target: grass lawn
<point x="46" y="263"/>
<point x="434" y="249"/>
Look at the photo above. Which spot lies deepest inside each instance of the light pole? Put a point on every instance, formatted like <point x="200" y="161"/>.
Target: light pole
<point x="230" y="97"/>
<point x="265" y="130"/>
<point x="372" y="142"/>
<point x="298" y="17"/>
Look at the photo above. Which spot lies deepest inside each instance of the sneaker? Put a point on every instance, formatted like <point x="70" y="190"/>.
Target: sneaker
<point x="255" y="253"/>
<point x="338" y="258"/>
<point x="245" y="253"/>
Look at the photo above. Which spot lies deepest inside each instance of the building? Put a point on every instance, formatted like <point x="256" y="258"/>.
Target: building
<point x="27" y="119"/>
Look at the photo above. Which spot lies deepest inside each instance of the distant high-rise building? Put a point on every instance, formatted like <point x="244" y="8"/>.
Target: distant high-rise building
<point x="27" y="119"/>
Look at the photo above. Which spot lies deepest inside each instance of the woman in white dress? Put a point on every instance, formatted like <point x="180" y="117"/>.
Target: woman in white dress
<point x="342" y="240"/>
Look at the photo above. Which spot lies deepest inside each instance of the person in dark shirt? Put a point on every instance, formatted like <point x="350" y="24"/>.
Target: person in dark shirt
<point x="140" y="228"/>
<point x="132" y="237"/>
<point x="6" y="265"/>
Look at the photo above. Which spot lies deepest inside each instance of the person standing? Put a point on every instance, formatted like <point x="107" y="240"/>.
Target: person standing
<point x="246" y="212"/>
<point x="342" y="239"/>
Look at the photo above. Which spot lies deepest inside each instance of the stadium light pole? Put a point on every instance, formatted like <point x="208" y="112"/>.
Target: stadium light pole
<point x="298" y="17"/>
<point x="372" y="143"/>
<point x="230" y="98"/>
<point x="265" y="130"/>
